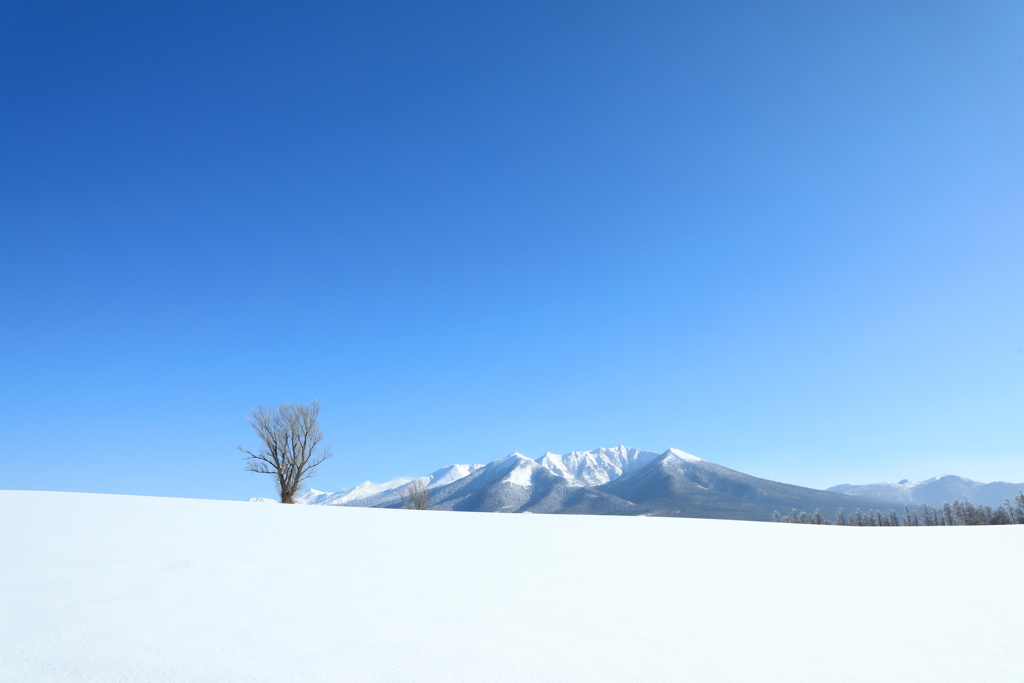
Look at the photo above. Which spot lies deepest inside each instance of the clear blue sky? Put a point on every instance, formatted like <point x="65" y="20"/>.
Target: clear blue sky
<point x="785" y="237"/>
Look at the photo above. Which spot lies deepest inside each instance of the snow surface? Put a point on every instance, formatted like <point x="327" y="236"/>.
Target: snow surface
<point x="367" y="488"/>
<point x="600" y="465"/>
<point x="447" y="475"/>
<point x="522" y="473"/>
<point x="683" y="455"/>
<point x="125" y="589"/>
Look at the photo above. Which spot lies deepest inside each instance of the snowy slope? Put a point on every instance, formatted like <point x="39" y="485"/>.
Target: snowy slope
<point x="124" y="589"/>
<point x="512" y="484"/>
<point x="371" y="491"/>
<point x="900" y="492"/>
<point x="598" y="466"/>
<point x="434" y="480"/>
<point x="680" y="484"/>
<point x="367" y="488"/>
<point x="447" y="475"/>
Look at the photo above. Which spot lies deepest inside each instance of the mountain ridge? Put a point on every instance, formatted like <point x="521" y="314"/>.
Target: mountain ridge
<point x="935" y="491"/>
<point x="605" y="481"/>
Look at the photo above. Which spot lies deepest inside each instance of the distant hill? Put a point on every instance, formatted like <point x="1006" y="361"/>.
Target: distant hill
<point x="934" y="491"/>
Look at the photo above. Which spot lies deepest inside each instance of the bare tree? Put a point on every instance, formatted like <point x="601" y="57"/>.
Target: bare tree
<point x="418" y="496"/>
<point x="291" y="448"/>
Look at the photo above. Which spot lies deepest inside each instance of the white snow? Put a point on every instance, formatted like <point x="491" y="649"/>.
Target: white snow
<point x="683" y="455"/>
<point x="445" y="475"/>
<point x="598" y="466"/>
<point x="367" y="488"/>
<point x="522" y="474"/>
<point x="955" y="476"/>
<point x="122" y="589"/>
<point x="516" y="469"/>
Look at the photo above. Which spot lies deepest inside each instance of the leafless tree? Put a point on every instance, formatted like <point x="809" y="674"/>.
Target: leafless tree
<point x="291" y="448"/>
<point x="418" y="496"/>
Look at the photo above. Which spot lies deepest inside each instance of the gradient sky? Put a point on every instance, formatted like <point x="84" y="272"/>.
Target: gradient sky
<point x="785" y="237"/>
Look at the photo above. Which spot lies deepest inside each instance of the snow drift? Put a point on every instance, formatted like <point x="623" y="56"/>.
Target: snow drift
<point x="126" y="589"/>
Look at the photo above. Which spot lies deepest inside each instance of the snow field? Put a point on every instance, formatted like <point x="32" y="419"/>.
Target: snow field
<point x="134" y="589"/>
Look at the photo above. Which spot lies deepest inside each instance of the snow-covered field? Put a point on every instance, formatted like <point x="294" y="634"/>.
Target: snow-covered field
<point x="121" y="588"/>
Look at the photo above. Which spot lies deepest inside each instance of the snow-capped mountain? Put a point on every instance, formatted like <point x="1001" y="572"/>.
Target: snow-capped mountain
<point x="367" y="488"/>
<point x="599" y="466"/>
<point x="679" y="484"/>
<point x="934" y="491"/>
<point x="577" y="468"/>
<point x="447" y="475"/>
<point x="386" y="494"/>
<point x="386" y="491"/>
<point x="514" y="483"/>
<point x="618" y="481"/>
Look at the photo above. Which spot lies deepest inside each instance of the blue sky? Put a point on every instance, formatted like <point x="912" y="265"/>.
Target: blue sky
<point x="785" y="237"/>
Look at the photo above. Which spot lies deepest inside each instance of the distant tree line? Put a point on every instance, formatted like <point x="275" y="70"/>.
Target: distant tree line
<point x="948" y="514"/>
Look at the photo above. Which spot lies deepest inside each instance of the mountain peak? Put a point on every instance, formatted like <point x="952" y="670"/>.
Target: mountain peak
<point x="935" y="491"/>
<point x="598" y="466"/>
<point x="683" y="455"/>
<point x="575" y="469"/>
